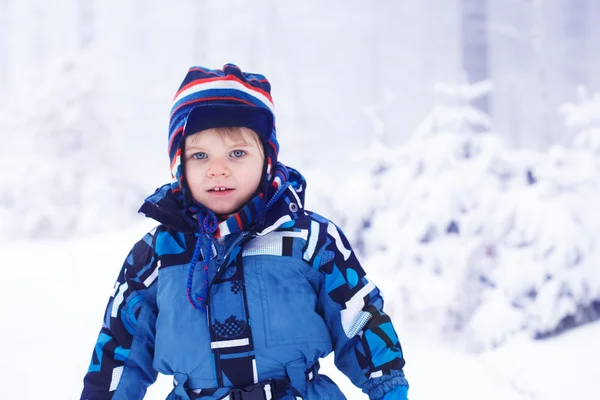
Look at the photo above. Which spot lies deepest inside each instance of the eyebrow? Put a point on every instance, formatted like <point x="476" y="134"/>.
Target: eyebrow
<point x="237" y="144"/>
<point x="240" y="144"/>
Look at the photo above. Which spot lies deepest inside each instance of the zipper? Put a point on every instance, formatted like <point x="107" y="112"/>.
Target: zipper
<point x="222" y="258"/>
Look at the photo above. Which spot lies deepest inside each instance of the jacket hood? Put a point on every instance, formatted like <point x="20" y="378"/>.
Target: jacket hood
<point x="167" y="208"/>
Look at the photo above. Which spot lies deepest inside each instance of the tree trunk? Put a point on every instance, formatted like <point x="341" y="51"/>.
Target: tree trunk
<point x="4" y="51"/>
<point x="201" y="31"/>
<point x="85" y="19"/>
<point x="593" y="23"/>
<point x="539" y="41"/>
<point x="577" y="66"/>
<point x="39" y="36"/>
<point x="474" y="45"/>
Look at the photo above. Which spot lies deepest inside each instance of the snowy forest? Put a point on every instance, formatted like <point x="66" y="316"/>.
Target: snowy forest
<point x="456" y="142"/>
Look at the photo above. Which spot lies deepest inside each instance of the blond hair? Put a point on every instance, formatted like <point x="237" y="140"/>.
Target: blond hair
<point x="236" y="133"/>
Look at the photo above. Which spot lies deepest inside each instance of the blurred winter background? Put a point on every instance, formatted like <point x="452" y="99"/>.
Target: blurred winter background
<point x="457" y="143"/>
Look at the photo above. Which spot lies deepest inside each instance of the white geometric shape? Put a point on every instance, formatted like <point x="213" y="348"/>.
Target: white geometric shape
<point x="149" y="280"/>
<point x="223" y="344"/>
<point x="353" y="310"/>
<point x="118" y="299"/>
<point x="312" y="240"/>
<point x="271" y="244"/>
<point x="376" y="374"/>
<point x="332" y="230"/>
<point x="116" y="377"/>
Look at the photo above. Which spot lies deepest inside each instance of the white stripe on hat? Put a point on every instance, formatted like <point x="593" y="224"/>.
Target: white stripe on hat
<point x="224" y="84"/>
<point x="176" y="164"/>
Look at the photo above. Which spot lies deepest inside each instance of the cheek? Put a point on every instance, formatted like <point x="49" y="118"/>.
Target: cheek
<point x="257" y="171"/>
<point x="193" y="175"/>
<point x="251" y="175"/>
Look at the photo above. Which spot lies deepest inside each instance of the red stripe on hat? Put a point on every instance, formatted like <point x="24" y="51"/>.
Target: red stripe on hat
<point x="175" y="159"/>
<point x="205" y="70"/>
<point x="224" y="78"/>
<point x="177" y="132"/>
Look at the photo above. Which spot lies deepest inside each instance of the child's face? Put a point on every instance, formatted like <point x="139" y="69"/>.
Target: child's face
<point x="221" y="160"/>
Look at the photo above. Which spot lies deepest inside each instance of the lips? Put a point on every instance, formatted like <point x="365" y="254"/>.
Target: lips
<point x="219" y="189"/>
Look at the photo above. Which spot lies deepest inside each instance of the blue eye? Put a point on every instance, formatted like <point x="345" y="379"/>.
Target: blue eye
<point x="199" y="156"/>
<point x="238" y="153"/>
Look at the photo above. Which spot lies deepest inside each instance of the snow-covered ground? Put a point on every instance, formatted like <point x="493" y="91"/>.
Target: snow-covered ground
<point x="53" y="298"/>
<point x="477" y="246"/>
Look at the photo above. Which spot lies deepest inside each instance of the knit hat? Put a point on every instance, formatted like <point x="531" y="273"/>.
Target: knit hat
<point x="216" y="98"/>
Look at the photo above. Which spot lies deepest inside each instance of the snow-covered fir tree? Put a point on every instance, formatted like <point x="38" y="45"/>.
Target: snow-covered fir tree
<point x="582" y="120"/>
<point x="482" y="240"/>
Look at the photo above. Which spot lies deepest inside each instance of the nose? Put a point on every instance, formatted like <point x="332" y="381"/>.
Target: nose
<point x="218" y="168"/>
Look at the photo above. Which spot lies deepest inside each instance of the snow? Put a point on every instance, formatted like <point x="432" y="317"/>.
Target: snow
<point x="480" y="247"/>
<point x="55" y="292"/>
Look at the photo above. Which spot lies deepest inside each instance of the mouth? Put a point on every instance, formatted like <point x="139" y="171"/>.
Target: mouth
<point x="220" y="190"/>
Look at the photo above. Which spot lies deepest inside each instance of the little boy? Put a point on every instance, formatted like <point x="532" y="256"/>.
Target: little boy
<point x="240" y="290"/>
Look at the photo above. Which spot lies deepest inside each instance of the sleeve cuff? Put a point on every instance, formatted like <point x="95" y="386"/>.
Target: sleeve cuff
<point x="394" y="384"/>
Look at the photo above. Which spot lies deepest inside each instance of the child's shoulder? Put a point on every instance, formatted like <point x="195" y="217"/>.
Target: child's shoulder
<point x="304" y="220"/>
<point x="309" y="226"/>
<point x="313" y="220"/>
<point x="160" y="240"/>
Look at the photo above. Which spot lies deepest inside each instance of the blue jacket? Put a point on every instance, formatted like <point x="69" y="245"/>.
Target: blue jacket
<point x="297" y="284"/>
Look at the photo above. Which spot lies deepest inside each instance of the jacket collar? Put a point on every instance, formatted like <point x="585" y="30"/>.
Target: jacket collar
<point x="285" y="203"/>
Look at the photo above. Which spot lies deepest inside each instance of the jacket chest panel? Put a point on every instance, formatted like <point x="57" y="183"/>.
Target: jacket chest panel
<point x="282" y="300"/>
<point x="180" y="328"/>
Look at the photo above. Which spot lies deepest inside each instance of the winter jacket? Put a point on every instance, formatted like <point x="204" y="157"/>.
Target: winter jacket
<point x="296" y="284"/>
<point x="283" y="289"/>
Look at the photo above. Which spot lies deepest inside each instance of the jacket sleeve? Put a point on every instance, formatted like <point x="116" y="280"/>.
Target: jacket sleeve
<point x="121" y="365"/>
<point x="366" y="346"/>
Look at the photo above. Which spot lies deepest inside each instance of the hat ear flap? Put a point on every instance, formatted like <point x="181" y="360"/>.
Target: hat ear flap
<point x="188" y="199"/>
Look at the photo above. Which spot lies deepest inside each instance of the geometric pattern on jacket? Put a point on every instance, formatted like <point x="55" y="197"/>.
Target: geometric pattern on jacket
<point x="366" y="346"/>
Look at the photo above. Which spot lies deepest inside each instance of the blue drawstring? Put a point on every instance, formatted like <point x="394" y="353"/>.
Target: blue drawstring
<point x="207" y="223"/>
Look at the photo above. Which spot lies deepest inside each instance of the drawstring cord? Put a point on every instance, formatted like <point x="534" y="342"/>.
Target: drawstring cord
<point x="277" y="195"/>
<point x="207" y="223"/>
<point x="267" y="206"/>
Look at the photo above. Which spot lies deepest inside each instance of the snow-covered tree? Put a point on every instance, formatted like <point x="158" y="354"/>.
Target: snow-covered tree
<point x="66" y="163"/>
<point x="582" y="120"/>
<point x="454" y="110"/>
<point x="481" y="240"/>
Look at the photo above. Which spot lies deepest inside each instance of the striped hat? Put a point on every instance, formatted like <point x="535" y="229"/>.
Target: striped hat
<point x="219" y="98"/>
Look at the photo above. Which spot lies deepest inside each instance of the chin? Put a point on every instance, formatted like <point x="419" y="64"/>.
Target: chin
<point x="223" y="210"/>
